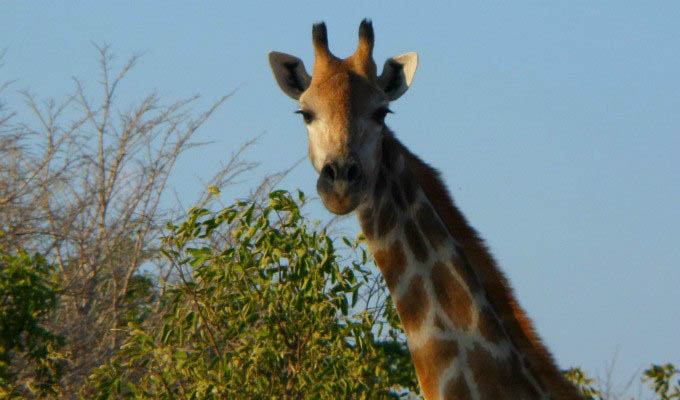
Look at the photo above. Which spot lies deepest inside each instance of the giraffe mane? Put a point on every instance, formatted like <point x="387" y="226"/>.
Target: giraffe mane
<point x="516" y="323"/>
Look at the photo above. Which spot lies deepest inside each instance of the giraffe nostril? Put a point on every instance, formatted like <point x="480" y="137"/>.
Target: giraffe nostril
<point x="328" y="172"/>
<point x="353" y="173"/>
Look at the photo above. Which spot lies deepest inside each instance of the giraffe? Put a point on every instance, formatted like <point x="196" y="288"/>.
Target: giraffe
<point x="467" y="335"/>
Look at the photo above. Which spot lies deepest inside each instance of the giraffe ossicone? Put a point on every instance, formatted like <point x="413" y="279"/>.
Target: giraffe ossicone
<point x="468" y="336"/>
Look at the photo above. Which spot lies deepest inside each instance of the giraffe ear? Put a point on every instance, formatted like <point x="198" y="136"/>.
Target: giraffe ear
<point x="290" y="73"/>
<point x="397" y="74"/>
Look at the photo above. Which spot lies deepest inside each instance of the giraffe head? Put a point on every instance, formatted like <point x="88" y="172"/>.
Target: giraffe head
<point x="344" y="104"/>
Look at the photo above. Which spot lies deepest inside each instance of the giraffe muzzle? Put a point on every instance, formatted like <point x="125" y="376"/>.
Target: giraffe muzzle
<point x="339" y="186"/>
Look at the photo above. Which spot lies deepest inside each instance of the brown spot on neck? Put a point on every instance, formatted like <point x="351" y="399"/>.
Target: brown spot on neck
<point x="413" y="305"/>
<point x="464" y="269"/>
<point x="451" y="296"/>
<point x="408" y="186"/>
<point x="415" y="241"/>
<point x="432" y="226"/>
<point x="387" y="219"/>
<point x="457" y="388"/>
<point x="397" y="196"/>
<point x="489" y="326"/>
<point x="430" y="360"/>
<point x="499" y="378"/>
<point x="392" y="264"/>
<point x="440" y="324"/>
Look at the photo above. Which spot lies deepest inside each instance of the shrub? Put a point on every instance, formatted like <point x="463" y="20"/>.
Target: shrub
<point x="29" y="361"/>
<point x="268" y="314"/>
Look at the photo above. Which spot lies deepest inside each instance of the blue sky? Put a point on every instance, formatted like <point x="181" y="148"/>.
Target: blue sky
<point x="555" y="125"/>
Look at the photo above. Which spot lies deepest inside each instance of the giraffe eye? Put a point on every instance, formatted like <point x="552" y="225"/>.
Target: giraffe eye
<point x="308" y="116"/>
<point x="379" y="114"/>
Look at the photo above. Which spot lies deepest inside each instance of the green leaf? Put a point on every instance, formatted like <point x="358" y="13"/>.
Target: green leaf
<point x="272" y="294"/>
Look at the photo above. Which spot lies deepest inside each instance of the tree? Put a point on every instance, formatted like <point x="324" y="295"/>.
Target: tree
<point x="29" y="360"/>
<point x="266" y="315"/>
<point x="82" y="184"/>
<point x="660" y="378"/>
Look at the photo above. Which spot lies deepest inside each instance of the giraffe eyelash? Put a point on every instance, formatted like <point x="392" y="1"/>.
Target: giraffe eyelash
<point x="380" y="114"/>
<point x="308" y="116"/>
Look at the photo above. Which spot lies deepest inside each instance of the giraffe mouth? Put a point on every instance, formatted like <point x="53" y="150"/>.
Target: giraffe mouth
<point x="339" y="204"/>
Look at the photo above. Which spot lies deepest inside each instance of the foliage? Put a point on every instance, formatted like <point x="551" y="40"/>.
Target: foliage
<point x="584" y="383"/>
<point x="28" y="293"/>
<point x="269" y="316"/>
<point x="660" y="378"/>
<point x="83" y="183"/>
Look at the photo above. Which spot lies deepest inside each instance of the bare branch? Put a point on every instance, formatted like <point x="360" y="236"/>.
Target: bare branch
<point x="85" y="184"/>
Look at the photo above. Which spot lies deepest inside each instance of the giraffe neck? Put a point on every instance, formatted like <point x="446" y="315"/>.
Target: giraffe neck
<point x="459" y="342"/>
